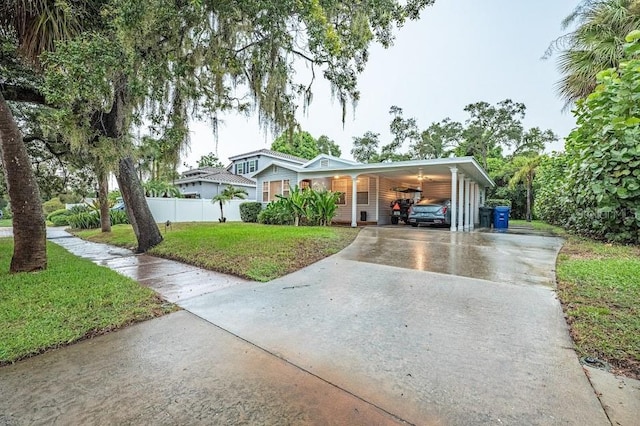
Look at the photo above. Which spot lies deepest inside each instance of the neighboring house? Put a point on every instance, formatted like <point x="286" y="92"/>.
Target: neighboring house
<point x="460" y="179"/>
<point x="207" y="182"/>
<point x="248" y="164"/>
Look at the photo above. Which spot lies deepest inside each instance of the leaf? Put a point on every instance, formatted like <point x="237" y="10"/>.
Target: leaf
<point x="632" y="121"/>
<point x="622" y="192"/>
<point x="632" y="36"/>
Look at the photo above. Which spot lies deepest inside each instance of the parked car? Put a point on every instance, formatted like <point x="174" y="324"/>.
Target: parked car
<point x="430" y="212"/>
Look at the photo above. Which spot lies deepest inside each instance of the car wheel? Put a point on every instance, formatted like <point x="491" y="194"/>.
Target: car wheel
<point x="415" y="225"/>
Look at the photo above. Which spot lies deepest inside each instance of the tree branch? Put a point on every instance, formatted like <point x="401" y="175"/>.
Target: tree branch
<point x="22" y="94"/>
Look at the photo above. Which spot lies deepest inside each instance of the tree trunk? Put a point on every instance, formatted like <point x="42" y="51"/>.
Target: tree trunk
<point x="29" y="229"/>
<point x="103" y="191"/>
<point x="144" y="226"/>
<point x="528" y="202"/>
<point x="221" y="212"/>
<point x="114" y="125"/>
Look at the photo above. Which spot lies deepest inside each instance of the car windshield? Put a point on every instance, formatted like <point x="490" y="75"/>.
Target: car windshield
<point x="426" y="208"/>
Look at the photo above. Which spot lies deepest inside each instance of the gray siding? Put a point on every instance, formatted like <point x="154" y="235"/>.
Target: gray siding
<point x="269" y="175"/>
<point x="208" y="190"/>
<point x="324" y="163"/>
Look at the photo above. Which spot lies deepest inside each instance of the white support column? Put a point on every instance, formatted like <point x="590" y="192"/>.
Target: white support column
<point x="476" y="210"/>
<point x="377" y="199"/>
<point x="454" y="198"/>
<point x="473" y="195"/>
<point x="467" y="204"/>
<point x="354" y="199"/>
<point x="460" y="202"/>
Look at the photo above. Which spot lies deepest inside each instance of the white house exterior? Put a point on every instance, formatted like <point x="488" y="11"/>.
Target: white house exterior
<point x="460" y="179"/>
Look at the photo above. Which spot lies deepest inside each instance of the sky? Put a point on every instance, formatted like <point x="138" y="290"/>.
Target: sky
<point x="459" y="52"/>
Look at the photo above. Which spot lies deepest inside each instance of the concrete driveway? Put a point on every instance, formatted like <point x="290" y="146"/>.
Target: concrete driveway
<point x="396" y="320"/>
<point x="406" y="325"/>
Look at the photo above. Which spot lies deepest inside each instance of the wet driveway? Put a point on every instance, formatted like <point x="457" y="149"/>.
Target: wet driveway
<point x="393" y="329"/>
<point x="500" y="257"/>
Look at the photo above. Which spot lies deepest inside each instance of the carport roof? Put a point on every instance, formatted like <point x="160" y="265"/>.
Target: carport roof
<point x="438" y="169"/>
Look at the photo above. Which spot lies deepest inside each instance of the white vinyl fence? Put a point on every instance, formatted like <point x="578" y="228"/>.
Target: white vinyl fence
<point x="193" y="210"/>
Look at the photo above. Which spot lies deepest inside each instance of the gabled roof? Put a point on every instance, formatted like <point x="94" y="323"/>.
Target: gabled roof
<point x="329" y="157"/>
<point x="270" y="153"/>
<point x="215" y="175"/>
<point x="284" y="165"/>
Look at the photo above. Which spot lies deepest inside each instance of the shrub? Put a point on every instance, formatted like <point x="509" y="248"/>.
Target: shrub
<point x="551" y="192"/>
<point x="249" y="211"/>
<point x="118" y="217"/>
<point x="61" y="212"/>
<point x="79" y="208"/>
<point x="495" y="202"/>
<point x="60" y="217"/>
<point x="276" y="213"/>
<point x="86" y="220"/>
<point x="603" y="177"/>
<point x="52" y="205"/>
<point x="60" y="220"/>
<point x="6" y="212"/>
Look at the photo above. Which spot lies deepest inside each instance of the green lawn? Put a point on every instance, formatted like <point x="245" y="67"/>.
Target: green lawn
<point x="249" y="250"/>
<point x="539" y="225"/>
<point x="599" y="287"/>
<point x="69" y="301"/>
<point x="5" y="222"/>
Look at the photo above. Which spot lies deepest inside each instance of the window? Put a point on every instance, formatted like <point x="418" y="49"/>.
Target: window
<point x="324" y="163"/>
<point x="285" y="188"/>
<point x="276" y="169"/>
<point x="305" y="184"/>
<point x="239" y="168"/>
<point x="362" y="196"/>
<point x="253" y="165"/>
<point x="275" y="187"/>
<point x="340" y="185"/>
<point x="265" y="192"/>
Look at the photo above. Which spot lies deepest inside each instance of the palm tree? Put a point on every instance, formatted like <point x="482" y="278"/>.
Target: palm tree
<point x="595" y="45"/>
<point x="229" y="193"/>
<point x="37" y="25"/>
<point x="525" y="174"/>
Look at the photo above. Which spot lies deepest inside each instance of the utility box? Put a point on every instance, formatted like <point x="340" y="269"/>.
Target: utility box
<point x="486" y="217"/>
<point x="501" y="218"/>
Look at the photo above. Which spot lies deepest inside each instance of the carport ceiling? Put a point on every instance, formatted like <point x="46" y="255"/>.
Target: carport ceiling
<point x="408" y="171"/>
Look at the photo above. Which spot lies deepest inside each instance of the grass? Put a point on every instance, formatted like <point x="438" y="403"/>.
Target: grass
<point x="5" y="222"/>
<point x="599" y="288"/>
<point x="71" y="300"/>
<point x="539" y="225"/>
<point x="253" y="251"/>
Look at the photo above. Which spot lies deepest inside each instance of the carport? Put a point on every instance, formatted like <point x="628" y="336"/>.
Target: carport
<point x="461" y="179"/>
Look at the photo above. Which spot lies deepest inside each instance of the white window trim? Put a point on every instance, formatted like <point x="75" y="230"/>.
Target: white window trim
<point x="268" y="191"/>
<point x="368" y="193"/>
<point x="346" y="186"/>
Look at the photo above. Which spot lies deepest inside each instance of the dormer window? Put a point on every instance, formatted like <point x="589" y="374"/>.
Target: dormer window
<point x="324" y="163"/>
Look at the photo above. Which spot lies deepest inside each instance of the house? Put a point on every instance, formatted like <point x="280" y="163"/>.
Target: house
<point x="374" y="186"/>
<point x="207" y="182"/>
<point x="247" y="164"/>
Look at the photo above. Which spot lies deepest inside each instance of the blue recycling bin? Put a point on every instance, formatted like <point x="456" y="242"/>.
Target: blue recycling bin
<point x="501" y="218"/>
